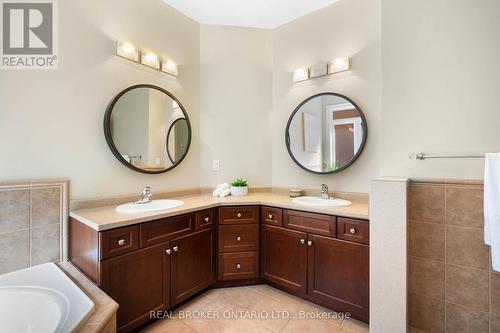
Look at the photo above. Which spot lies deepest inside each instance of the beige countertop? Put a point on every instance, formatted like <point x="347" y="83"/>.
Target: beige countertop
<point x="104" y="218"/>
<point x="102" y="319"/>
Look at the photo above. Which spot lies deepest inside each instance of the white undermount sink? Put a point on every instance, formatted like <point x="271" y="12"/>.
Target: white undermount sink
<point x="153" y="206"/>
<point x="316" y="201"/>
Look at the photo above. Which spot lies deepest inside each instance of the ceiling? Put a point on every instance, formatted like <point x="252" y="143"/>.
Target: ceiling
<point x="247" y="13"/>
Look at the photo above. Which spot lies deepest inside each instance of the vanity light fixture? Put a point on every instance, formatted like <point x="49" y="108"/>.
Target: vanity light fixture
<point x="150" y="59"/>
<point x="127" y="51"/>
<point x="301" y="74"/>
<point x="170" y="67"/>
<point x="319" y="69"/>
<point x="339" y="65"/>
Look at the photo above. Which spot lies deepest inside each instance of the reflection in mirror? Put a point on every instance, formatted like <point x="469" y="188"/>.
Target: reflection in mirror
<point x="326" y="133"/>
<point x="137" y="126"/>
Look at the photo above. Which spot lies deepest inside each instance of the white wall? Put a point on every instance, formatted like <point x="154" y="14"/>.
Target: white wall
<point x="51" y="121"/>
<point x="348" y="27"/>
<point x="440" y="85"/>
<point x="236" y="76"/>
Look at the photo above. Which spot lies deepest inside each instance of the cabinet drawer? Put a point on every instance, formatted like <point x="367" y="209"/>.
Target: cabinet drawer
<point x="272" y="216"/>
<point x="239" y="214"/>
<point x="205" y="219"/>
<point x="242" y="265"/>
<point x="353" y="230"/>
<point x="309" y="222"/>
<point x="234" y="238"/>
<point x="166" y="229"/>
<point x="118" y="241"/>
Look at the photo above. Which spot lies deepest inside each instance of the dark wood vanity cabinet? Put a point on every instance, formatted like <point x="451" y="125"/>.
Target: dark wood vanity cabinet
<point x="139" y="282"/>
<point x="284" y="258"/>
<point x="193" y="264"/>
<point x="324" y="269"/>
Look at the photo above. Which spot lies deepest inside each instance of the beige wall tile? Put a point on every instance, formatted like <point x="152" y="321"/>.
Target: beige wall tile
<point x="45" y="244"/>
<point x="427" y="203"/>
<point x="495" y="293"/>
<point x="468" y="287"/>
<point x="426" y="313"/>
<point x="464" y="320"/>
<point x="465" y="246"/>
<point x="426" y="277"/>
<point x="427" y="240"/>
<point x="464" y="206"/>
<point x="46" y="206"/>
<point x="494" y="324"/>
<point x="14" y="209"/>
<point x="14" y="251"/>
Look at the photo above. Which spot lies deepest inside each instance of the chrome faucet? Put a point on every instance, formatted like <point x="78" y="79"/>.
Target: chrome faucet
<point x="145" y="196"/>
<point x="324" y="192"/>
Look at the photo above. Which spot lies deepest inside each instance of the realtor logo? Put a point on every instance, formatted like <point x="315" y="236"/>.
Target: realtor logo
<point x="29" y="34"/>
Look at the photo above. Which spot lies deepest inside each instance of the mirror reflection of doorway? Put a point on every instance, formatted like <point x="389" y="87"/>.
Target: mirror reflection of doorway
<point x="344" y="143"/>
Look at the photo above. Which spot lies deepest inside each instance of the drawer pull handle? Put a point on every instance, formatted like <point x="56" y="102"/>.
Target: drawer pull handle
<point x="121" y="242"/>
<point x="270" y="216"/>
<point x="238" y="266"/>
<point x="238" y="238"/>
<point x="175" y="248"/>
<point x="239" y="214"/>
<point x="207" y="219"/>
<point x="352" y="231"/>
<point x="168" y="251"/>
<point x="309" y="243"/>
<point x="302" y="241"/>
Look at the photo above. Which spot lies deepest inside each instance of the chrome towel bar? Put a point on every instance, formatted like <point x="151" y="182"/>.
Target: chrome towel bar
<point x="423" y="156"/>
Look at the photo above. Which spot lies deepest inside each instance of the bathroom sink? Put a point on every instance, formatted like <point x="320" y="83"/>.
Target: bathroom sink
<point x="152" y="206"/>
<point x="316" y="201"/>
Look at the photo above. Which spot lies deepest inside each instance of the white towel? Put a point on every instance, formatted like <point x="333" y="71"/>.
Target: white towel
<point x="222" y="190"/>
<point x="492" y="207"/>
<point x="223" y="186"/>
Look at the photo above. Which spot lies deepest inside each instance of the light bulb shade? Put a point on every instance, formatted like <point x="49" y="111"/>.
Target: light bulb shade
<point x="300" y="74"/>
<point x="150" y="59"/>
<point x="127" y="51"/>
<point x="169" y="66"/>
<point x="319" y="69"/>
<point x="339" y="65"/>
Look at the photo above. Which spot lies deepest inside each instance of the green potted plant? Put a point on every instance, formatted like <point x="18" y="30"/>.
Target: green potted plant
<point x="239" y="187"/>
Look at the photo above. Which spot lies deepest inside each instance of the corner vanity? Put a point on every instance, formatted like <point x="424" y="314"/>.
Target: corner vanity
<point x="156" y="261"/>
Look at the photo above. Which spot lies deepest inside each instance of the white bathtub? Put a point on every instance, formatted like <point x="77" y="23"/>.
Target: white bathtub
<point x="41" y="299"/>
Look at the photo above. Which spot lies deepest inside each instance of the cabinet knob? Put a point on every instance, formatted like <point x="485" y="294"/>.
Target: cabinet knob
<point x="168" y="251"/>
<point x="238" y="238"/>
<point x="352" y="231"/>
<point x="175" y="248"/>
<point x="207" y="219"/>
<point x="121" y="242"/>
<point x="238" y="266"/>
<point x="309" y="243"/>
<point x="302" y="241"/>
<point x="270" y="216"/>
<point x="239" y="214"/>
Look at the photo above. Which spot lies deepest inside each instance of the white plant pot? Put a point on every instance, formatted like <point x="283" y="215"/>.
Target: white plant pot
<point x="239" y="190"/>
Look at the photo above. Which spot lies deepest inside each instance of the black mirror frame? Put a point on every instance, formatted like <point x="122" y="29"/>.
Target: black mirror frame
<point x="109" y="139"/>
<point x="361" y="147"/>
<point x="168" y="135"/>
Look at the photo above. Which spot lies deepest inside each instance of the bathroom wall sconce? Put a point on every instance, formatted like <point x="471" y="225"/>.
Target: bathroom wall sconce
<point x="147" y="58"/>
<point x="150" y="59"/>
<point x="301" y="74"/>
<point x="127" y="51"/>
<point x="321" y="69"/>
<point x="170" y="67"/>
<point x="339" y="65"/>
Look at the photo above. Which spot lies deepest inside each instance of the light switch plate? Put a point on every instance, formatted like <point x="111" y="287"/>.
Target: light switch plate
<point x="216" y="165"/>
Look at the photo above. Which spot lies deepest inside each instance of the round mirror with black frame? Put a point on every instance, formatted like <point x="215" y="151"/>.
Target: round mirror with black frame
<point x="326" y="133"/>
<point x="137" y="124"/>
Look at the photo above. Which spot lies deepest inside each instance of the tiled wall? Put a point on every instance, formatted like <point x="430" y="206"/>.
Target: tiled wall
<point x="33" y="218"/>
<point x="450" y="282"/>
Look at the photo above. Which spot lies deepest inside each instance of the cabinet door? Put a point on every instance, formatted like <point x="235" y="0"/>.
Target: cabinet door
<point x="193" y="264"/>
<point x="139" y="283"/>
<point x="338" y="274"/>
<point x="284" y="258"/>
